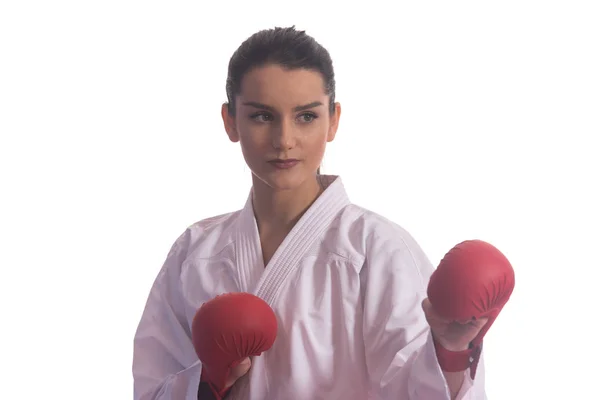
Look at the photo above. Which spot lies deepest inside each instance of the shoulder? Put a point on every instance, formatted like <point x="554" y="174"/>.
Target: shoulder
<point x="213" y="225"/>
<point x="378" y="240"/>
<point x="202" y="238"/>
<point x="197" y="240"/>
<point x="370" y="228"/>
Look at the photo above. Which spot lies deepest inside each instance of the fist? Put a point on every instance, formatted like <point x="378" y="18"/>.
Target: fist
<point x="226" y="332"/>
<point x="451" y="334"/>
<point x="238" y="371"/>
<point x="465" y="294"/>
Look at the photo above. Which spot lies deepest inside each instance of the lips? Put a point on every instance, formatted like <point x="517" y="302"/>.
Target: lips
<point x="286" y="160"/>
<point x="284" y="163"/>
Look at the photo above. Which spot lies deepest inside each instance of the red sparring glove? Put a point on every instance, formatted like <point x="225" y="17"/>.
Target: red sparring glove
<point x="226" y="330"/>
<point x="474" y="280"/>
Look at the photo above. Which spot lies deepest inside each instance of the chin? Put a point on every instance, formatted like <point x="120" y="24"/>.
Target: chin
<point x="282" y="180"/>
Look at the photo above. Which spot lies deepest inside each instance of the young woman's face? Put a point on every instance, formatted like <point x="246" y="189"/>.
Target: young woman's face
<point x="283" y="124"/>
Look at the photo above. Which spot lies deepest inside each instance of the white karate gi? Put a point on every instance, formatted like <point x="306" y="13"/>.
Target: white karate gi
<point x="346" y="285"/>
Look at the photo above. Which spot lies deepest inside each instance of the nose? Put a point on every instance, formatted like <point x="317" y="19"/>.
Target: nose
<point x="283" y="135"/>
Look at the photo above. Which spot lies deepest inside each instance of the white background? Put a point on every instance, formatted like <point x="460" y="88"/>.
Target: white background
<point x="460" y="120"/>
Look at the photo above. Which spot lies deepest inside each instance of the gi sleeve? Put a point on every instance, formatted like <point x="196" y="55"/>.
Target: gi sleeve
<point x="400" y="355"/>
<point x="165" y="365"/>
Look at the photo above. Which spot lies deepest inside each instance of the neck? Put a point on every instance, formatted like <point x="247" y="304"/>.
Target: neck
<point x="279" y="210"/>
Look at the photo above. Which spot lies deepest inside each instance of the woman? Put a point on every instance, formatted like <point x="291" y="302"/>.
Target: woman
<point x="348" y="286"/>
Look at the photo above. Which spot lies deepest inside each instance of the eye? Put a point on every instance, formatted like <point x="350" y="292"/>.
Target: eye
<point x="261" y="117"/>
<point x="307" y="117"/>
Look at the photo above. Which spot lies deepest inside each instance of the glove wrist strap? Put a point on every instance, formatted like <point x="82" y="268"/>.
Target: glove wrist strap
<point x="456" y="361"/>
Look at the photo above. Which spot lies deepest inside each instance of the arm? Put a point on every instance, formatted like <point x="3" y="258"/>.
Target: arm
<point x="165" y="365"/>
<point x="400" y="353"/>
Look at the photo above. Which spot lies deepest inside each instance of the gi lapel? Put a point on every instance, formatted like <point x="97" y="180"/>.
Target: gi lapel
<point x="308" y="229"/>
<point x="249" y="259"/>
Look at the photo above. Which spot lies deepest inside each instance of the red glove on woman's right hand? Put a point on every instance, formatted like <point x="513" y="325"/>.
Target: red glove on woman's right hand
<point x="228" y="329"/>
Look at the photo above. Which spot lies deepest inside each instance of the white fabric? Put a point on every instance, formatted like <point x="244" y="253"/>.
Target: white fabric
<point x="346" y="286"/>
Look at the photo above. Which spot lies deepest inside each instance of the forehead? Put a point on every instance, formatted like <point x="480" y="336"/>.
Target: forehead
<point x="280" y="87"/>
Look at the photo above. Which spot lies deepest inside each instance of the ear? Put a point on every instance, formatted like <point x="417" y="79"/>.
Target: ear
<point x="229" y="123"/>
<point x="334" y="121"/>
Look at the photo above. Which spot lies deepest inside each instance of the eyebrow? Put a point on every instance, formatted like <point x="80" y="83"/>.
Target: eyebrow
<point x="296" y="109"/>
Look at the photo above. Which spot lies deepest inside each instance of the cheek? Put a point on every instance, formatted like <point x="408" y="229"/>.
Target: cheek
<point x="316" y="145"/>
<point x="253" y="141"/>
<point x="251" y="150"/>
